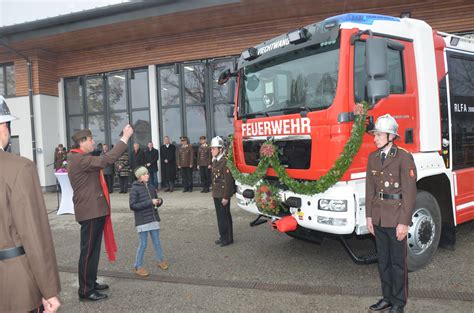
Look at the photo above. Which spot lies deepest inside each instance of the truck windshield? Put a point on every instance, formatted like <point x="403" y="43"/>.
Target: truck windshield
<point x="304" y="79"/>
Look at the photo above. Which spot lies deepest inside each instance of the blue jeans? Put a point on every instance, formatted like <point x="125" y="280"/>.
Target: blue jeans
<point x="143" y="237"/>
<point x="154" y="179"/>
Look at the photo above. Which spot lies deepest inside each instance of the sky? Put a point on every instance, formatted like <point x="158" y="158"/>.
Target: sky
<point x="20" y="11"/>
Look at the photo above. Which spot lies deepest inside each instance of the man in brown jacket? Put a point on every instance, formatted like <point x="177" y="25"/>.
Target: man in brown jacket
<point x="389" y="203"/>
<point x="28" y="269"/>
<point x="222" y="191"/>
<point x="92" y="207"/>
<point x="185" y="163"/>
<point x="204" y="163"/>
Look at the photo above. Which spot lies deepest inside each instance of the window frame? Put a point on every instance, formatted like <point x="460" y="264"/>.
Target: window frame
<point x="403" y="72"/>
<point x="3" y="68"/>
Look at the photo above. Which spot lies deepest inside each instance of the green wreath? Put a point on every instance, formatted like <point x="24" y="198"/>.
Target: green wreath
<point x="267" y="199"/>
<point x="269" y="157"/>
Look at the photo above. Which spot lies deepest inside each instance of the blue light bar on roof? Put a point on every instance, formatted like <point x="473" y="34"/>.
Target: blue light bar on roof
<point x="362" y="18"/>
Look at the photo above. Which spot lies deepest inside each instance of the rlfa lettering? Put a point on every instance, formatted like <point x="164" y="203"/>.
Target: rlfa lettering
<point x="293" y="126"/>
<point x="462" y="107"/>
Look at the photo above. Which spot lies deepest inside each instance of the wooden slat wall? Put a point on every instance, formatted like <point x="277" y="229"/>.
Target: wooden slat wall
<point x="207" y="33"/>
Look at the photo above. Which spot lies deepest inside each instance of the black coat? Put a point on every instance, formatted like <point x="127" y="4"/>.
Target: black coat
<point x="137" y="159"/>
<point x="141" y="203"/>
<point x="168" y="170"/>
<point x="152" y="157"/>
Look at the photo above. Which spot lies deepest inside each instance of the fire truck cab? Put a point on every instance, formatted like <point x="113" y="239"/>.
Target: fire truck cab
<point x="300" y="89"/>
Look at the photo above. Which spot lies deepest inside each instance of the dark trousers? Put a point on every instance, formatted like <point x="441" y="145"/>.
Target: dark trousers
<point x="205" y="173"/>
<point x="123" y="182"/>
<point x="392" y="255"/>
<point x="187" y="175"/>
<point x="224" y="221"/>
<point x="91" y="240"/>
<point x="109" y="180"/>
<point x="154" y="179"/>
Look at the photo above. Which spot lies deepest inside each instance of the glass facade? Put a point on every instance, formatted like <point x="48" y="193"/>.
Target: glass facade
<point x="105" y="103"/>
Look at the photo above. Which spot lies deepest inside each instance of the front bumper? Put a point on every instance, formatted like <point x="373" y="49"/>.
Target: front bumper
<point x="308" y="215"/>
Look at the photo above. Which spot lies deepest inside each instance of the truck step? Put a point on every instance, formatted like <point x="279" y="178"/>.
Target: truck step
<point x="359" y="258"/>
<point x="258" y="221"/>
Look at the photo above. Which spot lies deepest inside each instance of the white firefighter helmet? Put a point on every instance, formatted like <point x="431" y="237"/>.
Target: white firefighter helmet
<point x="5" y="115"/>
<point x="386" y="124"/>
<point x="217" y="142"/>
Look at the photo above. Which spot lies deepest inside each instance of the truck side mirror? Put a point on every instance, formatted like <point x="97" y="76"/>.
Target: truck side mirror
<point x="230" y="107"/>
<point x="378" y="86"/>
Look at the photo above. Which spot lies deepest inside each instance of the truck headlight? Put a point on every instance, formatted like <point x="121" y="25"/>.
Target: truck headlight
<point x="332" y="205"/>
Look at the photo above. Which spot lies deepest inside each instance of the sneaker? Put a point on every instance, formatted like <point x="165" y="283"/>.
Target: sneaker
<point x="141" y="272"/>
<point x="163" y="265"/>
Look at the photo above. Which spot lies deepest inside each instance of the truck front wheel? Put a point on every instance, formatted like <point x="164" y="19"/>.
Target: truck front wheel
<point x="424" y="234"/>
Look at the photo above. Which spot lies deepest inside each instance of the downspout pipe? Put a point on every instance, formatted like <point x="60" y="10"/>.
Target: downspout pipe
<point x="30" y="93"/>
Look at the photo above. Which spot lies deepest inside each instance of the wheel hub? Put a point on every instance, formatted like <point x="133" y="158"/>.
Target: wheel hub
<point x="422" y="232"/>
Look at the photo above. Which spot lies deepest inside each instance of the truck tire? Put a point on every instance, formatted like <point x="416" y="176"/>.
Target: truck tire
<point x="425" y="232"/>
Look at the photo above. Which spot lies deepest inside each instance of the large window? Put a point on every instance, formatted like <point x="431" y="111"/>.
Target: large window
<point x="394" y="74"/>
<point x="7" y="80"/>
<point x="191" y="103"/>
<point x="461" y="93"/>
<point x="105" y="103"/>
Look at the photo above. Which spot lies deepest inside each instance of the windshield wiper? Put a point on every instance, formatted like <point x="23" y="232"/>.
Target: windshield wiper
<point x="253" y="115"/>
<point x="302" y="109"/>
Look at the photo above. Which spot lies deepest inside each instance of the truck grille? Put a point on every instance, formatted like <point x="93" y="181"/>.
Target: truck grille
<point x="294" y="153"/>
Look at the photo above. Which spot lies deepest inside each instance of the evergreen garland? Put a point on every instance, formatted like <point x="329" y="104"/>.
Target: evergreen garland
<point x="304" y="187"/>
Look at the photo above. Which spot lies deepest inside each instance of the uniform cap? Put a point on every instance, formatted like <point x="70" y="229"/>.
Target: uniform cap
<point x="386" y="124"/>
<point x="5" y="115"/>
<point x="217" y="142"/>
<point x="81" y="134"/>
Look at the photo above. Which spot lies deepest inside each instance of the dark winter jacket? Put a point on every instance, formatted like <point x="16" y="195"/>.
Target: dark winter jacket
<point x="152" y="156"/>
<point x="141" y="196"/>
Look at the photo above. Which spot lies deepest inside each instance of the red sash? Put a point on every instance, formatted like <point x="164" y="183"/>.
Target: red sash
<point x="109" y="238"/>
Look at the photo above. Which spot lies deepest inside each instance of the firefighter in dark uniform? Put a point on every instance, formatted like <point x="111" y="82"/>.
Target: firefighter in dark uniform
<point x="390" y="200"/>
<point x="185" y="163"/>
<point x="222" y="190"/>
<point x="204" y="163"/>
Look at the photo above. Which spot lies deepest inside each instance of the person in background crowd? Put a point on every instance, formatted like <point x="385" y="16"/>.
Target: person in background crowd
<point x="122" y="169"/>
<point x="144" y="202"/>
<point x="151" y="158"/>
<point x="136" y="158"/>
<point x="222" y="191"/>
<point x="185" y="163"/>
<point x="60" y="155"/>
<point x="92" y="207"/>
<point x="98" y="150"/>
<point x="108" y="171"/>
<point x="390" y="194"/>
<point x="204" y="163"/>
<point x="168" y="164"/>
<point x="28" y="269"/>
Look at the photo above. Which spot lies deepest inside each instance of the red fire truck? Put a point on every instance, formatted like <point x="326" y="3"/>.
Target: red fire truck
<point x="300" y="88"/>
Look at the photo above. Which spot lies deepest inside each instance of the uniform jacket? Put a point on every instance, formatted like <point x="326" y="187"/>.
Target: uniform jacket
<point x="136" y="159"/>
<point x="222" y="181"/>
<point x="59" y="157"/>
<point x="141" y="203"/>
<point x="185" y="156"/>
<point x="122" y="162"/>
<point x="152" y="156"/>
<point x="109" y="169"/>
<point x="24" y="222"/>
<point x="204" y="155"/>
<point x="397" y="175"/>
<point x="84" y="170"/>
